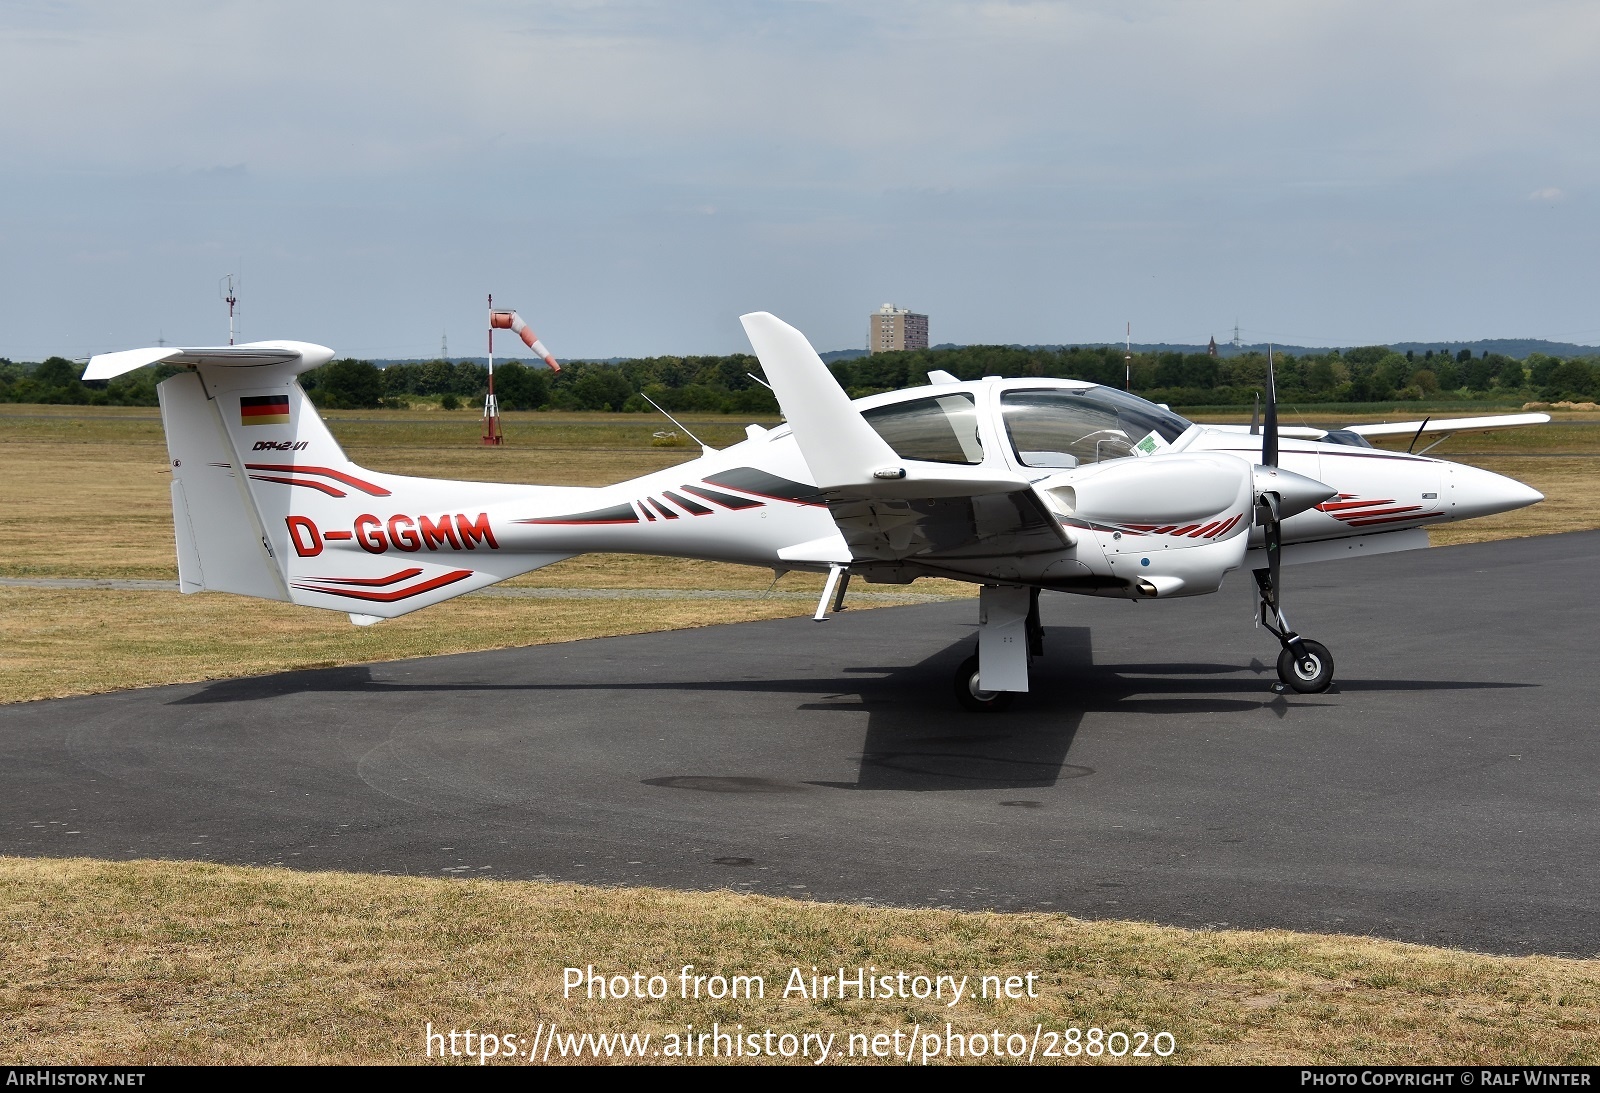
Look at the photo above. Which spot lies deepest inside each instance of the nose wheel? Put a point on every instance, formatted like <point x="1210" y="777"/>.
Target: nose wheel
<point x="1308" y="671"/>
<point x="1304" y="666"/>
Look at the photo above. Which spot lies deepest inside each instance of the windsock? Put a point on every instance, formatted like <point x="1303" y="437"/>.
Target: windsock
<point x="510" y="320"/>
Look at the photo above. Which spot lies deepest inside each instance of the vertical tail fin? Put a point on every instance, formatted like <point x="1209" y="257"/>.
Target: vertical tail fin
<point x="265" y="503"/>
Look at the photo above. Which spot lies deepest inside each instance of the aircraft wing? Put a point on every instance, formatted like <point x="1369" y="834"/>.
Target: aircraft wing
<point x="1447" y="425"/>
<point x="846" y="457"/>
<point x="887" y="507"/>
<point x="1425" y="427"/>
<point x="933" y="529"/>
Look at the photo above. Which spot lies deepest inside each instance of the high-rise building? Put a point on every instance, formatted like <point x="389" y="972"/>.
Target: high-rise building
<point x="894" y="328"/>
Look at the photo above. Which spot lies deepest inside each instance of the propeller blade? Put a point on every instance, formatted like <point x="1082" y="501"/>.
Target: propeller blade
<point x="1269" y="437"/>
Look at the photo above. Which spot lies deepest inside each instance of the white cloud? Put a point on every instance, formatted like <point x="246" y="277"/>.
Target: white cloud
<point x="1063" y="152"/>
<point x="1547" y="193"/>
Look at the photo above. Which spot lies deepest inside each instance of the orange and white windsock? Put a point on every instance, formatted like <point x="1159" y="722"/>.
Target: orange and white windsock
<point x="510" y="320"/>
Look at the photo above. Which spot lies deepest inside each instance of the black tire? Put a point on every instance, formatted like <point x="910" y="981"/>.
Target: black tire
<point x="974" y="699"/>
<point x="1312" y="674"/>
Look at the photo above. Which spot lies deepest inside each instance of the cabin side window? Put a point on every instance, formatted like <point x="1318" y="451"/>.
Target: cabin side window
<point x="942" y="429"/>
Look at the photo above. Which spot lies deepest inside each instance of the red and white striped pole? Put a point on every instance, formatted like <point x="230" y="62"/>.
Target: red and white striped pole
<point x="492" y="437"/>
<point x="508" y="320"/>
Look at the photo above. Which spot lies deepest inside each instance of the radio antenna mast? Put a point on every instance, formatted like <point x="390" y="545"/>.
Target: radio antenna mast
<point x="230" y="299"/>
<point x="1127" y="360"/>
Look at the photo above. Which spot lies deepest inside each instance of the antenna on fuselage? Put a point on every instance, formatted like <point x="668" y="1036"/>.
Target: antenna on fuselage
<point x="705" y="448"/>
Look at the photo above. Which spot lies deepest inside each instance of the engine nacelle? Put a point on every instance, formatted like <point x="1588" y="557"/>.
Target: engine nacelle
<point x="1165" y="525"/>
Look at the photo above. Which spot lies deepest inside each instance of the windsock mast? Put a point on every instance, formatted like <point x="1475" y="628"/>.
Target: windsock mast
<point x="492" y="436"/>
<point x="506" y="319"/>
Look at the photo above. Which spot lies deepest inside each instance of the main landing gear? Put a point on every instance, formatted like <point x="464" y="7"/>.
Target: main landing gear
<point x="1009" y="635"/>
<point x="1304" y="666"/>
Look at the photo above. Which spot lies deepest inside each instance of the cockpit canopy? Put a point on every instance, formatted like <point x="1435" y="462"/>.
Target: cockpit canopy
<point x="1059" y="428"/>
<point x="1049" y="427"/>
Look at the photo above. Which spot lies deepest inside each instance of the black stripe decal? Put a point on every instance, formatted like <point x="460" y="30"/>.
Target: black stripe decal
<point x="687" y="505"/>
<point x="643" y="507"/>
<point x="726" y="500"/>
<point x="662" y="509"/>
<point x="764" y="484"/>
<point x="616" y="514"/>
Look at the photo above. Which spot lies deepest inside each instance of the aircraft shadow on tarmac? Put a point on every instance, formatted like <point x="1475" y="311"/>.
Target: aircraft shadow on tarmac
<point x="917" y="739"/>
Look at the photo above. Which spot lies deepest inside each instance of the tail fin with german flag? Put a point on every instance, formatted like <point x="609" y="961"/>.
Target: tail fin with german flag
<point x="265" y="503"/>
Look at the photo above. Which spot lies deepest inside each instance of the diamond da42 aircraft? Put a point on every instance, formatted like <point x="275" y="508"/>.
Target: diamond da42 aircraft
<point x="1017" y="485"/>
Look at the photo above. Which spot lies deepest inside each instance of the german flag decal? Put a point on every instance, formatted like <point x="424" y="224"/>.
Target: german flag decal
<point x="264" y="410"/>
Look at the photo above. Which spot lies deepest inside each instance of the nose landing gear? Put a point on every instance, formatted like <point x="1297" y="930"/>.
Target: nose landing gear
<point x="1304" y="666"/>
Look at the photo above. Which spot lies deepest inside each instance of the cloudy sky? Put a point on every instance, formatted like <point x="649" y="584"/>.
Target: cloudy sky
<point x="634" y="174"/>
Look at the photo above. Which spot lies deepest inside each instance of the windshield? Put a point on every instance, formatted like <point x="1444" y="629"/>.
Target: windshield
<point x="942" y="429"/>
<point x="1058" y="428"/>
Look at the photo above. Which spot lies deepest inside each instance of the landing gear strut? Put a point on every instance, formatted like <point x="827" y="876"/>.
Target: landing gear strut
<point x="1304" y="666"/>
<point x="1009" y="634"/>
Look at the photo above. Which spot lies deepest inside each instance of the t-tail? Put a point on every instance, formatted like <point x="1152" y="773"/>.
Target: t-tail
<point x="265" y="503"/>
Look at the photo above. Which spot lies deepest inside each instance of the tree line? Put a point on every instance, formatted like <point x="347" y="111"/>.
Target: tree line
<point x="726" y="384"/>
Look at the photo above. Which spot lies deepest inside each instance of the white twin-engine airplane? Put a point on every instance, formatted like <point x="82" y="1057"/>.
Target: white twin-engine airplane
<point x="1016" y="485"/>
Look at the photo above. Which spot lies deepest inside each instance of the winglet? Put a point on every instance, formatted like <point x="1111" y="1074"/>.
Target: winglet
<point x="839" y="446"/>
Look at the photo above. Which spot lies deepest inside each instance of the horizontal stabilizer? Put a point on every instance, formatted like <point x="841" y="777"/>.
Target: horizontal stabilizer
<point x="307" y="356"/>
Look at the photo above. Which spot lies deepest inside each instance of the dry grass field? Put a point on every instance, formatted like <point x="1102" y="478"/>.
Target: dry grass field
<point x="86" y="494"/>
<point x="171" y="962"/>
